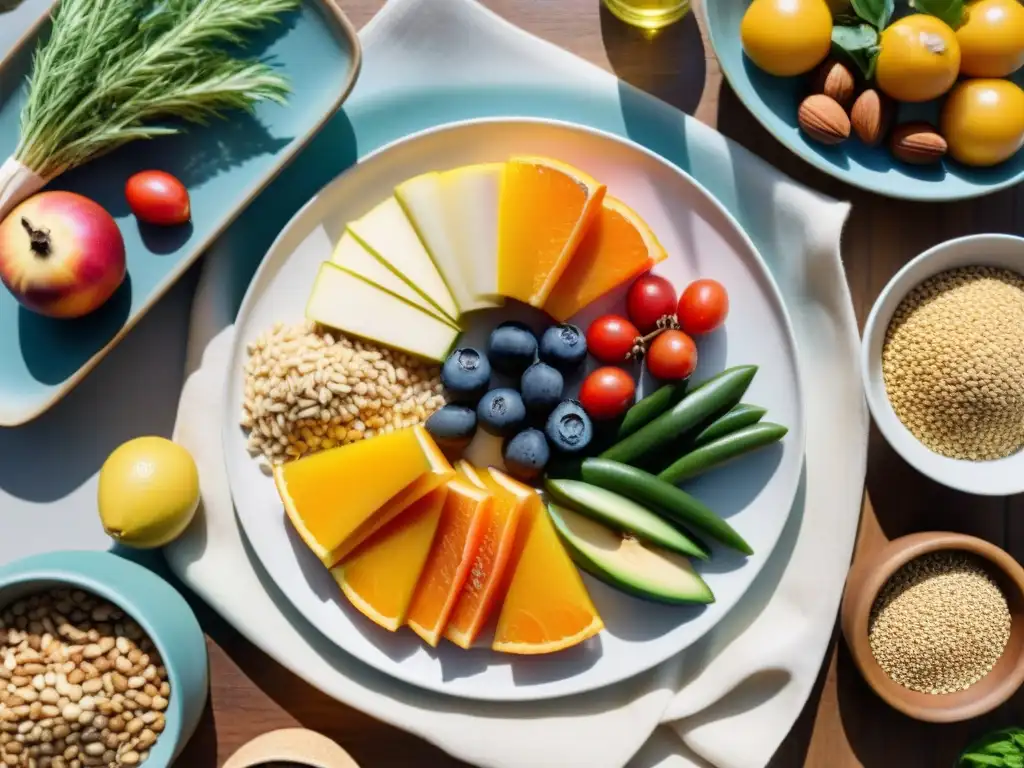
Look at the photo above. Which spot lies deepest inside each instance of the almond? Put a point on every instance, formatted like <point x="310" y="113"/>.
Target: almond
<point x="918" y="143"/>
<point x="834" y="79"/>
<point x="823" y="119"/>
<point x="870" y="116"/>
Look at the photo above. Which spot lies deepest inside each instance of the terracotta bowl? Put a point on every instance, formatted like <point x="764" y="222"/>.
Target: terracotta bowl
<point x="291" y="746"/>
<point x="868" y="578"/>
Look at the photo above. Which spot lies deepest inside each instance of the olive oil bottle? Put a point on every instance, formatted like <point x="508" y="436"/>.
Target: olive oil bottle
<point x="651" y="15"/>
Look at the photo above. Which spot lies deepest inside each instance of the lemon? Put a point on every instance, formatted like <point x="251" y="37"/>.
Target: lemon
<point x="983" y="121"/>
<point x="149" y="491"/>
<point x="919" y="58"/>
<point x="787" y="37"/>
<point x="992" y="38"/>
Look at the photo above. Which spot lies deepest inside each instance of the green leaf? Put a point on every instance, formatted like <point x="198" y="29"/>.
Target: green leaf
<point x="858" y="38"/>
<point x="949" y="11"/>
<point x="1014" y="761"/>
<point x="975" y="760"/>
<point x="877" y="13"/>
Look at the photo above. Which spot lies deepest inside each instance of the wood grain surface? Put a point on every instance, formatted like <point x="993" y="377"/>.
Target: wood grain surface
<point x="843" y="725"/>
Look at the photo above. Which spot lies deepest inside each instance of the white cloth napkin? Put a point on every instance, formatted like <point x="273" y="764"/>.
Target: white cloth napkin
<point x="731" y="699"/>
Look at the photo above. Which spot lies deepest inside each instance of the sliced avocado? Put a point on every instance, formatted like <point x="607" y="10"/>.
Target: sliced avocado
<point x="624" y="515"/>
<point x="627" y="564"/>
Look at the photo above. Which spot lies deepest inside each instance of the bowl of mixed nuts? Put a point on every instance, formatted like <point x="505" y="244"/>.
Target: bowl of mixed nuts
<point x="942" y="361"/>
<point x="935" y="624"/>
<point x="102" y="663"/>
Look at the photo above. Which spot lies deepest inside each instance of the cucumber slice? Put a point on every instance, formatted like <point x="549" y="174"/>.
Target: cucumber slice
<point x="624" y="515"/>
<point x="674" y="503"/>
<point x="642" y="570"/>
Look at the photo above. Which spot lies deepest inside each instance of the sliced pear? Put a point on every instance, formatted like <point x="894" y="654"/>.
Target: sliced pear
<point x="389" y="235"/>
<point x="343" y="300"/>
<point x="624" y="515"/>
<point x="354" y="256"/>
<point x="472" y="194"/>
<point x="423" y="200"/>
<point x="624" y="562"/>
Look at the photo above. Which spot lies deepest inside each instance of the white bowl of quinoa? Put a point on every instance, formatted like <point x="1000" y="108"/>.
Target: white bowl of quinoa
<point x="942" y="359"/>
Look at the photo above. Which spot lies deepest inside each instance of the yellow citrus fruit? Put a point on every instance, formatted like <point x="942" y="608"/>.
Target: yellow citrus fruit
<point x="919" y="58"/>
<point x="992" y="38"/>
<point x="149" y="491"/>
<point x="983" y="121"/>
<point x="787" y="37"/>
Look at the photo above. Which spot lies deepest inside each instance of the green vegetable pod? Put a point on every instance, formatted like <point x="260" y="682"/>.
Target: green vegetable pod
<point x="624" y="515"/>
<point x="652" y="406"/>
<point x="722" y="451"/>
<point x="742" y="415"/>
<point x="663" y="498"/>
<point x="716" y="395"/>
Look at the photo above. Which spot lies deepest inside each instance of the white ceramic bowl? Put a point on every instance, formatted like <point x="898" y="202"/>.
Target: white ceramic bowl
<point x="1002" y="477"/>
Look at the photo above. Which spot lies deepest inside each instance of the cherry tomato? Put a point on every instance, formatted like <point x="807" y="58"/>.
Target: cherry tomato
<point x="650" y="298"/>
<point x="672" y="356"/>
<point x="702" y="307"/>
<point x="610" y="338"/>
<point x="607" y="393"/>
<point x="156" y="197"/>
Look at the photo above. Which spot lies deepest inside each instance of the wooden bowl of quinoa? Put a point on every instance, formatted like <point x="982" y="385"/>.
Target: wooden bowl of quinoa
<point x="942" y="360"/>
<point x="935" y="624"/>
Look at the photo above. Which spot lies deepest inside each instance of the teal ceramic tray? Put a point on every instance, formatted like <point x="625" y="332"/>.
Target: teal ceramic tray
<point x="224" y="165"/>
<point x="774" y="101"/>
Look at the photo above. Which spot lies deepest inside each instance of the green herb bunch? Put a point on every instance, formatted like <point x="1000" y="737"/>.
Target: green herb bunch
<point x="1000" y="749"/>
<point x="112" y="68"/>
<point x="857" y="32"/>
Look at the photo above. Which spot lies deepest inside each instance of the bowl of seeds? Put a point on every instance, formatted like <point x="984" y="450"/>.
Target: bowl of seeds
<point x="942" y="360"/>
<point x="935" y="624"/>
<point x="102" y="663"/>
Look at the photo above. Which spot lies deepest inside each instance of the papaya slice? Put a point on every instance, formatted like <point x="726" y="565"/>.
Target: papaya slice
<point x="547" y="607"/>
<point x="483" y="587"/>
<point x="464" y="519"/>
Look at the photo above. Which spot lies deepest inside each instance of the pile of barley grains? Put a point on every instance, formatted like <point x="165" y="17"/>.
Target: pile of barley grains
<point x="953" y="363"/>
<point x="80" y="684"/>
<point x="307" y="389"/>
<point x="939" y="624"/>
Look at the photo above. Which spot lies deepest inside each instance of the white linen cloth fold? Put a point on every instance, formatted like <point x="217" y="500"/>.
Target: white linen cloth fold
<point x="731" y="699"/>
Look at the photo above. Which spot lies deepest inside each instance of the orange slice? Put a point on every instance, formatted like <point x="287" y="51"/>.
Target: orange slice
<point x="545" y="207"/>
<point x="547" y="607"/>
<point x="380" y="577"/>
<point x="463" y="522"/>
<point x="483" y="587"/>
<point x="337" y="498"/>
<point x="617" y="247"/>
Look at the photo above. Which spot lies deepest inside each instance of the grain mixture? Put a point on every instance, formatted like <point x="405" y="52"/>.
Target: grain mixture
<point x="953" y="363"/>
<point x="307" y="389"/>
<point x="939" y="624"/>
<point x="80" y="684"/>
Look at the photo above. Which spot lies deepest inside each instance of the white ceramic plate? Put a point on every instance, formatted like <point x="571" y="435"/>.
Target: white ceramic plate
<point x="755" y="494"/>
<point x="1001" y="477"/>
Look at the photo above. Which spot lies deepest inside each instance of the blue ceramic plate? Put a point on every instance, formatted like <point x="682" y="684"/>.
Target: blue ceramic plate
<point x="774" y="101"/>
<point x="224" y="165"/>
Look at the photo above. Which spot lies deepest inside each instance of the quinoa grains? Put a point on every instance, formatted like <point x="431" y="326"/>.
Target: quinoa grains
<point x="953" y="363"/>
<point x="80" y="684"/>
<point x="939" y="624"/>
<point x="307" y="389"/>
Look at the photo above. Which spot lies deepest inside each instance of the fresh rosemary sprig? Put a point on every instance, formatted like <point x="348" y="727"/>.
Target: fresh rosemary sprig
<point x="113" y="67"/>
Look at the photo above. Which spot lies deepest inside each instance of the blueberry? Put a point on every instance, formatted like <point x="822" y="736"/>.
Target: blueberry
<point x="569" y="428"/>
<point x="542" y="387"/>
<point x="466" y="374"/>
<point x="501" y="412"/>
<point x="526" y="454"/>
<point x="453" y="426"/>
<point x="511" y="348"/>
<point x="564" y="346"/>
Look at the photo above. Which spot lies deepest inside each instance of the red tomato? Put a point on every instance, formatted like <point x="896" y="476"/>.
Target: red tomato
<point x="156" y="197"/>
<point x="610" y="338"/>
<point x="607" y="393"/>
<point x="672" y="356"/>
<point x="650" y="298"/>
<point x="702" y="307"/>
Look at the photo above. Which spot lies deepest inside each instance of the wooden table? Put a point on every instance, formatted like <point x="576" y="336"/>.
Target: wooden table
<point x="844" y="724"/>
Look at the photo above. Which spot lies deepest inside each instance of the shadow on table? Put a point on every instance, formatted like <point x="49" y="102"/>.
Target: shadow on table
<point x="9" y="5"/>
